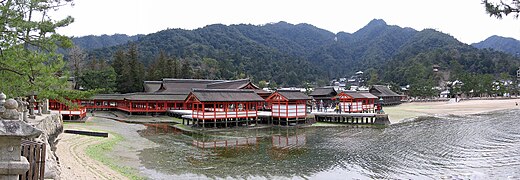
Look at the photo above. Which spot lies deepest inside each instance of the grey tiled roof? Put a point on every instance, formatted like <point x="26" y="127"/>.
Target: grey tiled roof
<point x="382" y="91"/>
<point x="157" y="96"/>
<point x="226" y="95"/>
<point x="293" y="95"/>
<point x="152" y="86"/>
<point x="325" y="91"/>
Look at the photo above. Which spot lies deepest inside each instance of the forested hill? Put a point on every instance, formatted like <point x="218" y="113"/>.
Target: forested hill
<point x="96" y="42"/>
<point x="499" y="43"/>
<point x="294" y="54"/>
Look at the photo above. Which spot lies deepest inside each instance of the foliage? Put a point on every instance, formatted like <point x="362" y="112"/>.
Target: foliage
<point x="502" y="9"/>
<point x="28" y="59"/>
<point x="130" y="72"/>
<point x="503" y="44"/>
<point x="99" y="76"/>
<point x="291" y="55"/>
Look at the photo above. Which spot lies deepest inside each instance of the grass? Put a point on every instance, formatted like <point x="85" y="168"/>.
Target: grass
<point x="99" y="152"/>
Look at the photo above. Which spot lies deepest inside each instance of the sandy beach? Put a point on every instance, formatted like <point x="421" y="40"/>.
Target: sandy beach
<point x="77" y="164"/>
<point x="123" y="158"/>
<point x="416" y="109"/>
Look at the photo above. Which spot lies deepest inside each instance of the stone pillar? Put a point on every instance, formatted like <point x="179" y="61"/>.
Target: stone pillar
<point x="40" y="107"/>
<point x="31" y="107"/>
<point x="12" y="130"/>
<point x="24" y="109"/>
<point x="45" y="107"/>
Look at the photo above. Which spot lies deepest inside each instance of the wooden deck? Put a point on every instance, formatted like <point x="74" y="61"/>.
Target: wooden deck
<point x="346" y="118"/>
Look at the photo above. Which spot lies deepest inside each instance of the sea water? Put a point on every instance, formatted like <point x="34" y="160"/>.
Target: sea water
<point x="480" y="146"/>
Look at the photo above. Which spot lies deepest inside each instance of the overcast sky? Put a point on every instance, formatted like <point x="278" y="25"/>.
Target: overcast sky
<point x="466" y="20"/>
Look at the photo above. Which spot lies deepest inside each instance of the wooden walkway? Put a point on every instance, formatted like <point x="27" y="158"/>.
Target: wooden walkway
<point x="349" y="118"/>
<point x="266" y="117"/>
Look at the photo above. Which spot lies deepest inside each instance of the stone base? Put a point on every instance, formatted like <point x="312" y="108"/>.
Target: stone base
<point x="15" y="168"/>
<point x="382" y="119"/>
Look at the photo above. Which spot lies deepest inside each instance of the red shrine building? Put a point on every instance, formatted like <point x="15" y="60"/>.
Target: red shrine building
<point x="289" y="106"/>
<point x="158" y="97"/>
<point x="224" y="107"/>
<point x="356" y="102"/>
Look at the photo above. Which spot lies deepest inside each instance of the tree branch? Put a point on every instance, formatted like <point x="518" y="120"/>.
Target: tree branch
<point x="11" y="70"/>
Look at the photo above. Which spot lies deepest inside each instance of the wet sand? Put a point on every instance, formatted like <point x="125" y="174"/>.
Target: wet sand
<point x="76" y="164"/>
<point x="416" y="109"/>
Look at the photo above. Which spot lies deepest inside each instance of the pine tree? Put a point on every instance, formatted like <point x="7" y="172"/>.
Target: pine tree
<point x="28" y="59"/>
<point x="186" y="70"/>
<point x="137" y="71"/>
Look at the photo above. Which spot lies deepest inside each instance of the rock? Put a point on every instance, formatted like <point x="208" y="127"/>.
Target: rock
<point x="10" y="112"/>
<point x="51" y="125"/>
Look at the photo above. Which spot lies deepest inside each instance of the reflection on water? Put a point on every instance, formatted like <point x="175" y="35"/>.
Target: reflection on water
<point x="157" y="128"/>
<point x="226" y="143"/>
<point x="288" y="142"/>
<point x="472" y="147"/>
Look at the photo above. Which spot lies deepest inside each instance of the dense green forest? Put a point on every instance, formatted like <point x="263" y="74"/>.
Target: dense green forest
<point x="507" y="45"/>
<point x="296" y="55"/>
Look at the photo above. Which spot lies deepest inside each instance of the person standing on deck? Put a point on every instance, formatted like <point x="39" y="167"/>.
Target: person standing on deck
<point x="321" y="105"/>
<point x="337" y="109"/>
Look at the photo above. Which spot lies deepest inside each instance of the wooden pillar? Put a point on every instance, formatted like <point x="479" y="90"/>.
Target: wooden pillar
<point x="215" y="114"/>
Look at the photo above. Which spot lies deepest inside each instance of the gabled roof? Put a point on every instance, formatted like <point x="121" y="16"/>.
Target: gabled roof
<point x="382" y="91"/>
<point x="225" y="95"/>
<point x="368" y="95"/>
<point x="157" y="96"/>
<point x="233" y="84"/>
<point x="289" y="95"/>
<point x="293" y="95"/>
<point x="324" y="91"/>
<point x="359" y="95"/>
<point x="152" y="86"/>
<point x="184" y="85"/>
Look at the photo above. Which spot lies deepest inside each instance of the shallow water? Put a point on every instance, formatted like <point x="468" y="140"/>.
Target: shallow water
<point x="470" y="147"/>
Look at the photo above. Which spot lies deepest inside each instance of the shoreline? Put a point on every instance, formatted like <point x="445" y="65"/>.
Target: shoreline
<point x="467" y="107"/>
<point x="79" y="155"/>
<point x="76" y="163"/>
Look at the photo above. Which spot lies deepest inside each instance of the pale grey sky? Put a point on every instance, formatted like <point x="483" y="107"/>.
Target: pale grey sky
<point x="466" y="20"/>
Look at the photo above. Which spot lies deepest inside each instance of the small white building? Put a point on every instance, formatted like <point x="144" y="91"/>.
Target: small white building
<point x="445" y="94"/>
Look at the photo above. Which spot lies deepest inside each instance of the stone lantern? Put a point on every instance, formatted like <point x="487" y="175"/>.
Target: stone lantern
<point x="2" y="101"/>
<point x="12" y="130"/>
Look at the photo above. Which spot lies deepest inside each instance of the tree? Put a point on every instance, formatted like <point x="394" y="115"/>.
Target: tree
<point x="28" y="43"/>
<point x="137" y="72"/>
<point x="99" y="76"/>
<point x="502" y="9"/>
<point x="186" y="70"/>
<point x="76" y="63"/>
<point x="262" y="84"/>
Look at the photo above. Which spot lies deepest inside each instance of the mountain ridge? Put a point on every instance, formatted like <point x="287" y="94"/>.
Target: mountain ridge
<point x="297" y="53"/>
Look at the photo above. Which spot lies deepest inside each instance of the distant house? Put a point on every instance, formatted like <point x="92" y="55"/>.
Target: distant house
<point x="436" y="68"/>
<point x="389" y="97"/>
<point x="324" y="94"/>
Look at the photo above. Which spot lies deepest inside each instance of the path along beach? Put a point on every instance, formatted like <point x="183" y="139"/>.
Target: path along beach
<point x="416" y="109"/>
<point x="75" y="163"/>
